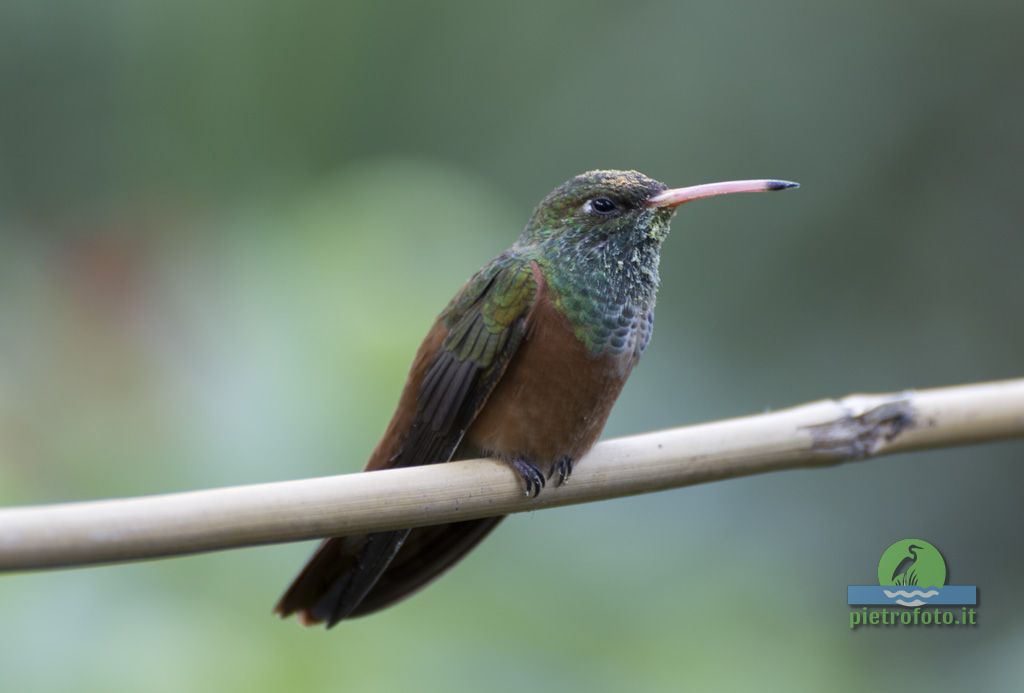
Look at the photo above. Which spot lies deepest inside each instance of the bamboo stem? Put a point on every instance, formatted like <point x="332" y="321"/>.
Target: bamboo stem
<point x="815" y="434"/>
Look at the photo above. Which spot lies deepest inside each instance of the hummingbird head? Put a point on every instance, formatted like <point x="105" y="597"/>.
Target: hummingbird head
<point x="598" y="239"/>
<point x="594" y="206"/>
<point x="622" y="208"/>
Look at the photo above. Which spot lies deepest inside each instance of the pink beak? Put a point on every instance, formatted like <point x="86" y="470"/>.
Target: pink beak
<point x="677" y="196"/>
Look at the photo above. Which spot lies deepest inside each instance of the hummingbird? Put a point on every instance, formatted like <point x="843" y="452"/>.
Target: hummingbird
<point x="523" y="365"/>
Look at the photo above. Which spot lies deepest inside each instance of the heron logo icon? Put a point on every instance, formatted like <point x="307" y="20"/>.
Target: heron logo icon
<point x="912" y="573"/>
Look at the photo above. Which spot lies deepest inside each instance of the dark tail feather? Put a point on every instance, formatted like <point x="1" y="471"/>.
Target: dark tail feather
<point x="355" y="576"/>
<point x="339" y="576"/>
<point x="426" y="554"/>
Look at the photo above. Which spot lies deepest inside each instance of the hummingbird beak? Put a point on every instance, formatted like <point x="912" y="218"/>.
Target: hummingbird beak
<point x="677" y="196"/>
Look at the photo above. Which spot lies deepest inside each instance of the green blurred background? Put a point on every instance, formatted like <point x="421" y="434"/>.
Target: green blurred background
<point x="226" y="226"/>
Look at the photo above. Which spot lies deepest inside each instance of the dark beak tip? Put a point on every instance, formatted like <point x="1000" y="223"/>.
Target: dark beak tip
<point x="782" y="185"/>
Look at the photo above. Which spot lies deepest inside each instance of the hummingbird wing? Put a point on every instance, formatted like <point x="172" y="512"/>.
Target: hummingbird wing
<point x="455" y="371"/>
<point x="486" y="322"/>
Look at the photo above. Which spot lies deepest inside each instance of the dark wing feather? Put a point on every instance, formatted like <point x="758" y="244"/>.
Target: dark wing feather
<point x="485" y="324"/>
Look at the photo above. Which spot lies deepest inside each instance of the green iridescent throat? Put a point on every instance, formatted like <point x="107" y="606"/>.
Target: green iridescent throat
<point x="605" y="280"/>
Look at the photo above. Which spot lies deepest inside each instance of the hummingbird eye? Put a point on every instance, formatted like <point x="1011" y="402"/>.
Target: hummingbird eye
<point x="601" y="205"/>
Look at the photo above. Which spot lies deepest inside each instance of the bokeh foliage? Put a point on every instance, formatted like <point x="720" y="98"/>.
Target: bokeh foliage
<point x="226" y="226"/>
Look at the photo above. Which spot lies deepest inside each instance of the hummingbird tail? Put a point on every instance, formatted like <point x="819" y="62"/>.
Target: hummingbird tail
<point x="355" y="576"/>
<point x="338" y="576"/>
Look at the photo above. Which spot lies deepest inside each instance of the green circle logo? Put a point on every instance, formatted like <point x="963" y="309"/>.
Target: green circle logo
<point x="912" y="562"/>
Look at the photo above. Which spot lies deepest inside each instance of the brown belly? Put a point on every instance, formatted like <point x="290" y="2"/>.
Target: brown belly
<point x="553" y="400"/>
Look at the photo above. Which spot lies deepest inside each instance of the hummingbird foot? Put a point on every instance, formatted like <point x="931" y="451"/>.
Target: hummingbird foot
<point x="563" y="467"/>
<point x="533" y="480"/>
